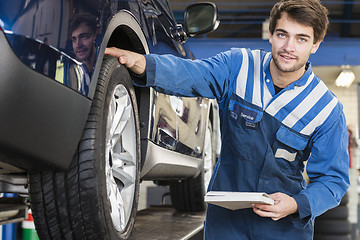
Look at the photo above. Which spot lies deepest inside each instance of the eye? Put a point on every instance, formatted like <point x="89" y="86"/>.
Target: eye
<point x="85" y="36"/>
<point x="281" y="35"/>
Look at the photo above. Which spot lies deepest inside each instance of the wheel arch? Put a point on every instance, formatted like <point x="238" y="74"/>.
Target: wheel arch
<point x="125" y="32"/>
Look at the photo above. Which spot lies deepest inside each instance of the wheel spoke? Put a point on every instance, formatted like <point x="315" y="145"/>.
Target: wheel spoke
<point x="126" y="117"/>
<point x="123" y="157"/>
<point x="112" y="111"/>
<point x="120" y="121"/>
<point x="124" y="177"/>
<point x="123" y="168"/>
<point x="117" y="212"/>
<point x="119" y="111"/>
<point x="123" y="220"/>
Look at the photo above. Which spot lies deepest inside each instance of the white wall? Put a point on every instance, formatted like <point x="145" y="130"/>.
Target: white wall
<point x="347" y="96"/>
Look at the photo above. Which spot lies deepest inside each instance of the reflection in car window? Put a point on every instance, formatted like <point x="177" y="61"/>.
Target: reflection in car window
<point x="83" y="28"/>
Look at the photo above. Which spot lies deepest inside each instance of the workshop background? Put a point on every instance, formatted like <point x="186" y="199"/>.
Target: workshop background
<point x="244" y="24"/>
<point x="337" y="63"/>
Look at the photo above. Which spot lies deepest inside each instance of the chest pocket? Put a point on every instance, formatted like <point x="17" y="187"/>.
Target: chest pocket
<point x="242" y="123"/>
<point x="288" y="150"/>
<point x="250" y="113"/>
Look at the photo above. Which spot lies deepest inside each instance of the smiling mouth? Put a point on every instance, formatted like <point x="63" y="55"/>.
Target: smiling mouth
<point x="80" y="51"/>
<point x="287" y="57"/>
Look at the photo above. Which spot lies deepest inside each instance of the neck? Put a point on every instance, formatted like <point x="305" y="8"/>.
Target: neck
<point x="283" y="79"/>
<point x="90" y="63"/>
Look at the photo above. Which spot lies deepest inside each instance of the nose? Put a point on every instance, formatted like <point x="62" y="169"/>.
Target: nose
<point x="77" y="43"/>
<point x="290" y="45"/>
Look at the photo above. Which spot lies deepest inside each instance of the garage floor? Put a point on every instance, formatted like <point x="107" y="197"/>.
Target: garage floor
<point x="164" y="223"/>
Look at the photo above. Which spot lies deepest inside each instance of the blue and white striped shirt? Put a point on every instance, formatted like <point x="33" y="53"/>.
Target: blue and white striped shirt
<point x="303" y="108"/>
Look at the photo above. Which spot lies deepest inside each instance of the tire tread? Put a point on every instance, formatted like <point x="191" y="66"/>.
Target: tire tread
<point x="65" y="204"/>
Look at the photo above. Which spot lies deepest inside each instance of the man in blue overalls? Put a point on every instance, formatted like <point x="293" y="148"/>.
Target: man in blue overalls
<point x="275" y="114"/>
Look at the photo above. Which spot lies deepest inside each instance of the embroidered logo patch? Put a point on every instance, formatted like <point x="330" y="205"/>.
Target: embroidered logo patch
<point x="250" y="113"/>
<point x="246" y="113"/>
<point x="250" y="124"/>
<point x="233" y="115"/>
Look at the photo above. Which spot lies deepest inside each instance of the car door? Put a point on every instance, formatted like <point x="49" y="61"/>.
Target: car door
<point x="190" y="112"/>
<point x="163" y="122"/>
<point x="181" y="128"/>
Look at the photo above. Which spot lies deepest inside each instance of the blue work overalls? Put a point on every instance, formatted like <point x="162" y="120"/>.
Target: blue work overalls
<point x="266" y="138"/>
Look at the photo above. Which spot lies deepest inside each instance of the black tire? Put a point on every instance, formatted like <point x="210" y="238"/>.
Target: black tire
<point x="188" y="195"/>
<point x="339" y="212"/>
<point x="332" y="237"/>
<point x="345" y="199"/>
<point x="332" y="227"/>
<point x="77" y="203"/>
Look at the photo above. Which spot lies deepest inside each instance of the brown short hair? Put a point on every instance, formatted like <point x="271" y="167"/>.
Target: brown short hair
<point x="86" y="18"/>
<point x="308" y="12"/>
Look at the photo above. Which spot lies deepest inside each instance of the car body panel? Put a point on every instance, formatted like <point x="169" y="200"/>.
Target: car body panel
<point x="41" y="120"/>
<point x="45" y="107"/>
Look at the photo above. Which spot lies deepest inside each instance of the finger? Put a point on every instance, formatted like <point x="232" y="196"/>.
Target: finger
<point x="120" y="54"/>
<point x="267" y="212"/>
<point x="122" y="60"/>
<point x="262" y="212"/>
<point x="112" y="51"/>
<point x="116" y="52"/>
<point x="264" y="207"/>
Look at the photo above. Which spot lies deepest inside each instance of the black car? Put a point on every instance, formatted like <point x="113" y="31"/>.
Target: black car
<point x="76" y="132"/>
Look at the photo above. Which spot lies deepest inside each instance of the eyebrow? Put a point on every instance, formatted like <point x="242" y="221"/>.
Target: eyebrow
<point x="299" y="34"/>
<point x="82" y="35"/>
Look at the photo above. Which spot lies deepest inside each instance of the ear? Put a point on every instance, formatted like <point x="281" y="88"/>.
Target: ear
<point x="315" y="47"/>
<point x="270" y="37"/>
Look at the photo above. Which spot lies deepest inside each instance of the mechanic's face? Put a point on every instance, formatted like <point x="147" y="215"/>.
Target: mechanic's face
<point x="292" y="44"/>
<point x="83" y="40"/>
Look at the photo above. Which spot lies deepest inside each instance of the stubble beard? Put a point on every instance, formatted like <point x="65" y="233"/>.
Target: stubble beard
<point x="294" y="68"/>
<point x="87" y="59"/>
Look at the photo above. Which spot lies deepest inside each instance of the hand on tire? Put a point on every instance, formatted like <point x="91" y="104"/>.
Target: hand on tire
<point x="132" y="60"/>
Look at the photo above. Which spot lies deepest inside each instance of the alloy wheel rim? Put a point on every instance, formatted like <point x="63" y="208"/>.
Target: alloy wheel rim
<point x="121" y="157"/>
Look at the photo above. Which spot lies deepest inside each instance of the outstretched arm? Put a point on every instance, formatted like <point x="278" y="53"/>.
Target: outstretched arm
<point x="134" y="61"/>
<point x="178" y="76"/>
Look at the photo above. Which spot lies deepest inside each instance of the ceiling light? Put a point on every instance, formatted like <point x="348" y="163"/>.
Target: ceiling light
<point x="345" y="78"/>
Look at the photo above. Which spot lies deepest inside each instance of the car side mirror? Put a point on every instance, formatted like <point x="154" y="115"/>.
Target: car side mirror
<point x="200" y="18"/>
